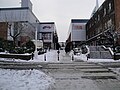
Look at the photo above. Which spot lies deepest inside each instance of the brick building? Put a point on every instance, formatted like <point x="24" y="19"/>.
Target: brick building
<point x="3" y="30"/>
<point x="105" y="20"/>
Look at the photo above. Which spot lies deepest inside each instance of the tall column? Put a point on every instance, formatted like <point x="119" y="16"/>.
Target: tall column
<point x="36" y="52"/>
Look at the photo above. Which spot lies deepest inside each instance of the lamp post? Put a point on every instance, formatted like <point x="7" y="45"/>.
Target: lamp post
<point x="36" y="52"/>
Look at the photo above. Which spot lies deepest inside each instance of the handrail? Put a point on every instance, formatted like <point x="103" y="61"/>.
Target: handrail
<point x="110" y="50"/>
<point x="88" y="50"/>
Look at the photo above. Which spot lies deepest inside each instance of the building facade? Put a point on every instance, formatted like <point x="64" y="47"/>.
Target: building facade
<point x="104" y="25"/>
<point x="77" y="32"/>
<point x="18" y="20"/>
<point x="48" y="33"/>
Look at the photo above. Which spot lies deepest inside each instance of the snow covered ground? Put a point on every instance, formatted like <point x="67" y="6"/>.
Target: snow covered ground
<point x="24" y="80"/>
<point x="27" y="79"/>
<point x="36" y="79"/>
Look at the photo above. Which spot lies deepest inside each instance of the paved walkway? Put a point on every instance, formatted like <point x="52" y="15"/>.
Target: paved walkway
<point x="71" y="75"/>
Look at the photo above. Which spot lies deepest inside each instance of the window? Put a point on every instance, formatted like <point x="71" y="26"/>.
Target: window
<point x="98" y="17"/>
<point x="109" y="23"/>
<point x="47" y="36"/>
<point x="110" y="7"/>
<point x="104" y="11"/>
<point x="105" y="25"/>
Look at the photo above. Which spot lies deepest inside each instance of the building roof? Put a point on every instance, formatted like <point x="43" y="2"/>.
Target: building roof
<point x="47" y="23"/>
<point x="79" y="20"/>
<point x="17" y="8"/>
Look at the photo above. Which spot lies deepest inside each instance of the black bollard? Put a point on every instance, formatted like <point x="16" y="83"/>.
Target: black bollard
<point x="58" y="54"/>
<point x="58" y="57"/>
<point x="44" y="57"/>
<point x="32" y="55"/>
<point x="72" y="57"/>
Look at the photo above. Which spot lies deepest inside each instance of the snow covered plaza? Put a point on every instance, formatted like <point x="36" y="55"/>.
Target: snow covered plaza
<point x="38" y="53"/>
<point x="65" y="74"/>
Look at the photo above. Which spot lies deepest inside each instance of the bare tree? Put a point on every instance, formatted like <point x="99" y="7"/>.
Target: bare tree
<point x="15" y="30"/>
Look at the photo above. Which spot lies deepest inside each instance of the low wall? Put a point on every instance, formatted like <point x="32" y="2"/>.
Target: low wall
<point x="16" y="56"/>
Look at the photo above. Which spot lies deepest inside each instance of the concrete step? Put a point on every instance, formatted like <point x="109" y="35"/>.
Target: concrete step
<point x="20" y="67"/>
<point x="70" y="66"/>
<point x="95" y="70"/>
<point x="88" y="67"/>
<point x="99" y="75"/>
<point x="111" y="65"/>
<point x="84" y="64"/>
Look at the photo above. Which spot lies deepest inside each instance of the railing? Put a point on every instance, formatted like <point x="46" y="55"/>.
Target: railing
<point x="109" y="49"/>
<point x="88" y="50"/>
<point x="116" y="56"/>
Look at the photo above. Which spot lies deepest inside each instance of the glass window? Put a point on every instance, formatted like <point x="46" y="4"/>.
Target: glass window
<point x="47" y="36"/>
<point x="98" y="17"/>
<point x="110" y="7"/>
<point x="109" y="23"/>
<point x="104" y="11"/>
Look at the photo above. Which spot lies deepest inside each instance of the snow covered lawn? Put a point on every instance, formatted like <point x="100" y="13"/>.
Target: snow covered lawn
<point x="24" y="80"/>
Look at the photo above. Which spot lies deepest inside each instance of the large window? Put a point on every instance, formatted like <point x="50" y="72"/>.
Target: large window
<point x="109" y="23"/>
<point x="105" y="11"/>
<point x="110" y="7"/>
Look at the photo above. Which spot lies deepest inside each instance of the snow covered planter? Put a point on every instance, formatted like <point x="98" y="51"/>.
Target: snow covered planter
<point x="16" y="56"/>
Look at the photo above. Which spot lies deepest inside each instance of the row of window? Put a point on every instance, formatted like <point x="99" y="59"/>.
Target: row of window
<point x="46" y="36"/>
<point x="105" y="9"/>
<point x="101" y="20"/>
<point x="107" y="25"/>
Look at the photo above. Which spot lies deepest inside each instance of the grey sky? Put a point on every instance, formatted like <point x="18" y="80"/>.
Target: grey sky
<point x="59" y="11"/>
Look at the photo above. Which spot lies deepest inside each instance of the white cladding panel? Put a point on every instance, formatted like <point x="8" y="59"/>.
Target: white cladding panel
<point x="31" y="17"/>
<point x="79" y="35"/>
<point x="13" y="15"/>
<point x="17" y="15"/>
<point x="78" y="32"/>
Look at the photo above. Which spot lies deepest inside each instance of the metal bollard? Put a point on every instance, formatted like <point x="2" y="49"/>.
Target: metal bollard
<point x="58" y="57"/>
<point x="44" y="57"/>
<point x="58" y="54"/>
<point x="72" y="57"/>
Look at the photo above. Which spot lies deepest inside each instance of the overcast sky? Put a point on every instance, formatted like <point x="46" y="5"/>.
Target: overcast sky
<point x="59" y="11"/>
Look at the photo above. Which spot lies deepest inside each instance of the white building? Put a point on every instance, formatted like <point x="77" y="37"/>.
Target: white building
<point x="77" y="32"/>
<point x="22" y="15"/>
<point x="48" y="34"/>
